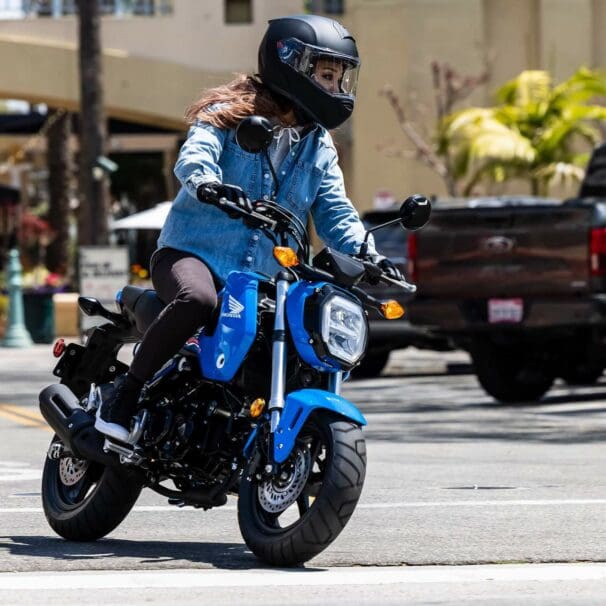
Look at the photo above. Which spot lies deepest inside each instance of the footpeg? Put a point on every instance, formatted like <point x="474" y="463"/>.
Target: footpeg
<point x="128" y="456"/>
<point x="119" y="433"/>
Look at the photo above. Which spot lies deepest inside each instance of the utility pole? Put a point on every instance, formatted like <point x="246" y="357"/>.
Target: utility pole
<point x="93" y="211"/>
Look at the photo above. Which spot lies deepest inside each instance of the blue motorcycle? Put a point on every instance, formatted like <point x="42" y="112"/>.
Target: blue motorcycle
<point x="250" y="406"/>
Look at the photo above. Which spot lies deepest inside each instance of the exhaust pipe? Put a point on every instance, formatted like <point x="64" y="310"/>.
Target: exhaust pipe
<point x="62" y="411"/>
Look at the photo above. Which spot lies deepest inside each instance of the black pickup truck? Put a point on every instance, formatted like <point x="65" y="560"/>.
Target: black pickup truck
<point x="520" y="283"/>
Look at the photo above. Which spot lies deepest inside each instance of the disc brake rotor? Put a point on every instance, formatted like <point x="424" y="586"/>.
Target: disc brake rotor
<point x="71" y="471"/>
<point x="276" y="495"/>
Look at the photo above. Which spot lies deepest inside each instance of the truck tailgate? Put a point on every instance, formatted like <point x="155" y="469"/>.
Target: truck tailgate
<point x="504" y="252"/>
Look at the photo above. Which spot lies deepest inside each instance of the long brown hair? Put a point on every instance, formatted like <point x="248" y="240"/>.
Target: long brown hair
<point x="243" y="96"/>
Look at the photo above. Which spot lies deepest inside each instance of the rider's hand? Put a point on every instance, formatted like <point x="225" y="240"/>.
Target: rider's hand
<point x="390" y="269"/>
<point x="221" y="194"/>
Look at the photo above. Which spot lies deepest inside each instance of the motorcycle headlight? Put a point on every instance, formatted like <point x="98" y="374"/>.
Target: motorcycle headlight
<point x="343" y="329"/>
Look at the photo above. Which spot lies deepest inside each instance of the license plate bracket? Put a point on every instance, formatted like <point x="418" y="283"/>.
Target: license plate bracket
<point x="505" y="311"/>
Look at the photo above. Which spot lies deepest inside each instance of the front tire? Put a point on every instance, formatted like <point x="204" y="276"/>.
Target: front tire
<point x="328" y="467"/>
<point x="83" y="500"/>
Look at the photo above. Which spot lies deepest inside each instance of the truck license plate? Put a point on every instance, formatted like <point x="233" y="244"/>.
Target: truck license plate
<point x="505" y="310"/>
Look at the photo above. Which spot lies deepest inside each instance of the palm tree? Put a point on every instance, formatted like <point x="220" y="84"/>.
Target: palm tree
<point x="537" y="132"/>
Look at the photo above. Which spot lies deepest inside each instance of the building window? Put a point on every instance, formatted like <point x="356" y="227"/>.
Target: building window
<point x="238" y="11"/>
<point x="326" y="7"/>
<point x="58" y="8"/>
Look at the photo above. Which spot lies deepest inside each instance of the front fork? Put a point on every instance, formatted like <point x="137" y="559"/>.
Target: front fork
<point x="279" y="361"/>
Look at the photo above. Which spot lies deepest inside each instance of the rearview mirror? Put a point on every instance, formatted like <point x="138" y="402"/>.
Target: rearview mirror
<point x="90" y="306"/>
<point x="415" y="212"/>
<point x="254" y="134"/>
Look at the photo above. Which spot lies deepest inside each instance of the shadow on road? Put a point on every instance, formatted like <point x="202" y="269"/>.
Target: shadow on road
<point x="422" y="409"/>
<point x="142" y="554"/>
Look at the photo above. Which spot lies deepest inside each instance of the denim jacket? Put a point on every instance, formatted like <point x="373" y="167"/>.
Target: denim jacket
<point x="310" y="182"/>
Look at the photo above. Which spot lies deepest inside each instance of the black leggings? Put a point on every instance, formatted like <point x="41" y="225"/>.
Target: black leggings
<point x="184" y="282"/>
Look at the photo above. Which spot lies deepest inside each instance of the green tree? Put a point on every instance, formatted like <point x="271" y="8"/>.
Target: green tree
<point x="538" y="132"/>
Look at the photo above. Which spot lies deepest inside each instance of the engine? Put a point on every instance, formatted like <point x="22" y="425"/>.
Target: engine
<point x="195" y="432"/>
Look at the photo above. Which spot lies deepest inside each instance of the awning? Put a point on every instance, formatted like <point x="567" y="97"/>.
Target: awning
<point x="152" y="218"/>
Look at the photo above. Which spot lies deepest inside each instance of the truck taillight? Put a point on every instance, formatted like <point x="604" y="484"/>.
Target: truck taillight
<point x="413" y="272"/>
<point x="597" y="251"/>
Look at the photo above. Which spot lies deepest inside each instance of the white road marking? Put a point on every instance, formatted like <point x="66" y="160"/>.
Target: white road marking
<point x="493" y="502"/>
<point x="14" y="471"/>
<point x="413" y="504"/>
<point x="350" y="576"/>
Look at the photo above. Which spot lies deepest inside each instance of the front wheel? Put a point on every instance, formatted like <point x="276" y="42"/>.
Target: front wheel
<point x="84" y="501"/>
<point x="289" y="519"/>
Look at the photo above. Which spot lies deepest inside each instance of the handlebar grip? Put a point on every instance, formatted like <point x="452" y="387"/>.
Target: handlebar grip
<point x="376" y="274"/>
<point x="207" y="194"/>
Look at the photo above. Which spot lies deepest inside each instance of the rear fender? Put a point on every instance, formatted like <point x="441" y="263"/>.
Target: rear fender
<point x="299" y="405"/>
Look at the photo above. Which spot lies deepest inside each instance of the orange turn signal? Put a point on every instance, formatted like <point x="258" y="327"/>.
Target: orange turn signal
<point x="392" y="310"/>
<point x="286" y="256"/>
<point x="256" y="408"/>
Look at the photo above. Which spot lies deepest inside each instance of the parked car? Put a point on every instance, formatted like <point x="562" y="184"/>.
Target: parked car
<point x="520" y="283"/>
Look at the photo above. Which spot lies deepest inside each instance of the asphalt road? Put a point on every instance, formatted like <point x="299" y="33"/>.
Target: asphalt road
<point x="506" y="503"/>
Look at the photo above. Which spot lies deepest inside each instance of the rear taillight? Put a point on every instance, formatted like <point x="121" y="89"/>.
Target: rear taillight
<point x="59" y="348"/>
<point x="597" y="251"/>
<point x="413" y="270"/>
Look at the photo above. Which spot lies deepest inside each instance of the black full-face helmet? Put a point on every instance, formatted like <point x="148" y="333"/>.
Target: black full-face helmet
<point x="312" y="61"/>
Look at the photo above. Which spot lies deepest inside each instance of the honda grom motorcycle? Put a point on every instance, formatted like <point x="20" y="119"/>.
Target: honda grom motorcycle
<point x="250" y="406"/>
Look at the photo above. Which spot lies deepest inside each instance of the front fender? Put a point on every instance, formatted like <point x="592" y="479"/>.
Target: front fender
<point x="297" y="408"/>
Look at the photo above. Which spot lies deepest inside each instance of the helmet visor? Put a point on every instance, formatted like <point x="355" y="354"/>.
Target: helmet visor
<point x="335" y="73"/>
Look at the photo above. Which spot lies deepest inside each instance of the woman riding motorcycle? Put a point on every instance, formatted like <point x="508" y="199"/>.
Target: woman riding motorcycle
<point x="306" y="84"/>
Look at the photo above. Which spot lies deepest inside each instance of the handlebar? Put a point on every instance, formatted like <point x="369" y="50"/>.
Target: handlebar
<point x="258" y="218"/>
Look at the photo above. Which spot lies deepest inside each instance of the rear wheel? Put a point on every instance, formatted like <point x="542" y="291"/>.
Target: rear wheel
<point x="510" y="373"/>
<point x="287" y="520"/>
<point x="84" y="501"/>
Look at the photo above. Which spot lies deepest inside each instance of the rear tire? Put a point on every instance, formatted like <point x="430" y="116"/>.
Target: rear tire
<point x="335" y="488"/>
<point x="84" y="501"/>
<point x="510" y="374"/>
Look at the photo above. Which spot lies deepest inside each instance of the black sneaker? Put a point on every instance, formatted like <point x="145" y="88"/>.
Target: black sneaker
<point x="116" y="411"/>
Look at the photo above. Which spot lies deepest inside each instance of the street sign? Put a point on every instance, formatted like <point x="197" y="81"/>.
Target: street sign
<point x="103" y="272"/>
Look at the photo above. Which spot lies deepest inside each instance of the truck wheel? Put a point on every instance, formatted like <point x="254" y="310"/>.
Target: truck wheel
<point x="582" y="374"/>
<point x="510" y="374"/>
<point x="371" y="365"/>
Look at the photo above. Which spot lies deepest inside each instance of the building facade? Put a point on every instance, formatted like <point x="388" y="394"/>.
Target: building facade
<point x="159" y="55"/>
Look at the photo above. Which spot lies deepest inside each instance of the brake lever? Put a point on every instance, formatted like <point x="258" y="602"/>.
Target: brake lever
<point x="257" y="219"/>
<point x="376" y="274"/>
<point x="261" y="220"/>
<point x="406" y="286"/>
